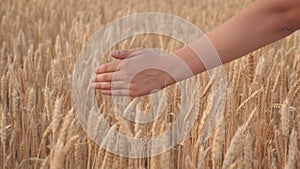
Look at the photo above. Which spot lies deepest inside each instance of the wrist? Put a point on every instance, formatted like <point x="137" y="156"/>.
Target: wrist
<point x="190" y="58"/>
<point x="177" y="65"/>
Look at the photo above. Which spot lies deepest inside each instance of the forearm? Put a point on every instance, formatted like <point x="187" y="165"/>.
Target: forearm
<point x="263" y="22"/>
<point x="256" y="26"/>
<point x="259" y="24"/>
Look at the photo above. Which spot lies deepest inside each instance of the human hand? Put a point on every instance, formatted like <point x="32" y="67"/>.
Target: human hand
<point x="136" y="72"/>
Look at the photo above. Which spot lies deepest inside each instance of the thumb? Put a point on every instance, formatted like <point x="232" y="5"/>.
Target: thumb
<point x="126" y="53"/>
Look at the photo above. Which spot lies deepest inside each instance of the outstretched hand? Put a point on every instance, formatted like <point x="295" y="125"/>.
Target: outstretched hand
<point x="136" y="72"/>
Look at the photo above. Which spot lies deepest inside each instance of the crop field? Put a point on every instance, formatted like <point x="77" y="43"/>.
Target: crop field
<point x="40" y="42"/>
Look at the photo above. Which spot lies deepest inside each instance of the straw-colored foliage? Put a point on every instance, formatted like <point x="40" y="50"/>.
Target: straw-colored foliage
<point x="40" y="41"/>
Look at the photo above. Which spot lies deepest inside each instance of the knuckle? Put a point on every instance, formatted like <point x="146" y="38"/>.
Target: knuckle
<point x="111" y="86"/>
<point x="115" y="76"/>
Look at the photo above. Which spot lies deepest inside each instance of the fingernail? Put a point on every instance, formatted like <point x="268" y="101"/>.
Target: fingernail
<point x="104" y="91"/>
<point x="96" y="70"/>
<point x="93" y="79"/>
<point x="115" y="53"/>
<point x="93" y="85"/>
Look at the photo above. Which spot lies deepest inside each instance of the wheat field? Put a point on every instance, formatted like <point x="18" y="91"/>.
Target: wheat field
<point x="40" y="43"/>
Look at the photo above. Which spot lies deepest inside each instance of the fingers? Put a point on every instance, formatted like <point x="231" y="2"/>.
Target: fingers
<point x="109" y="85"/>
<point x="108" y="67"/>
<point x="118" y="88"/>
<point x="121" y="92"/>
<point x="107" y="77"/>
<point x="126" y="53"/>
<point x="118" y="54"/>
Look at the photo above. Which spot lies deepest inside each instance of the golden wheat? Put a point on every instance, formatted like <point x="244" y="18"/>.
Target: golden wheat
<point x="40" y="42"/>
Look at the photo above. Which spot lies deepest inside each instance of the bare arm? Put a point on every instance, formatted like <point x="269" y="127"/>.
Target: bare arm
<point x="261" y="23"/>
